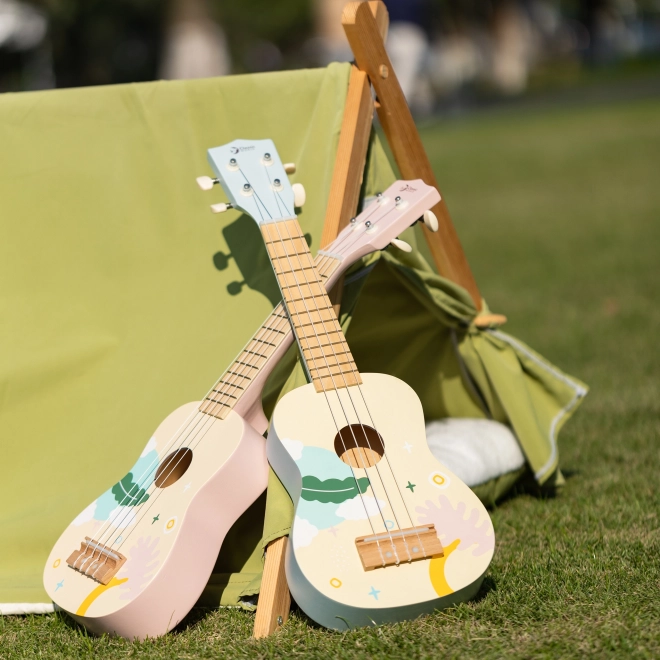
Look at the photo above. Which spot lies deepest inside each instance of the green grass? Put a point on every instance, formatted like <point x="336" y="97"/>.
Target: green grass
<point x="559" y="212"/>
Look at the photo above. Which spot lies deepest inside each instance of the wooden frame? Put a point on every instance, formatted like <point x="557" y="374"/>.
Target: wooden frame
<point x="366" y="24"/>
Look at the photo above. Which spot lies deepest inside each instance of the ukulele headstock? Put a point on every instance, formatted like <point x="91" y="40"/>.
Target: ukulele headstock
<point x="254" y="179"/>
<point x="391" y="213"/>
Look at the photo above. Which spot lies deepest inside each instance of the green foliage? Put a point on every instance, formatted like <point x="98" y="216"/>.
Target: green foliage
<point x="332" y="490"/>
<point x="128" y="493"/>
<point x="285" y="23"/>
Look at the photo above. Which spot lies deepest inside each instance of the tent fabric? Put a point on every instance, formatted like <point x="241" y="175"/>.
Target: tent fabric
<point x="122" y="297"/>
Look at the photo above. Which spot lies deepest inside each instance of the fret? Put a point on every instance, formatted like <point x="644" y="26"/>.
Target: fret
<point x="246" y="364"/>
<point x="299" y="290"/>
<point x="223" y="382"/>
<point x="335" y="355"/>
<point x="311" y="337"/>
<point x="302" y="309"/>
<point x="239" y="375"/>
<point x="281" y="247"/>
<point x="285" y="271"/>
<point x="267" y="343"/>
<point x="317" y="316"/>
<point x="255" y="353"/>
<point x="322" y="344"/>
<point x="231" y="396"/>
<point x="348" y="380"/>
<point x="222" y="403"/>
<point x="323" y="371"/>
<point x="280" y="328"/>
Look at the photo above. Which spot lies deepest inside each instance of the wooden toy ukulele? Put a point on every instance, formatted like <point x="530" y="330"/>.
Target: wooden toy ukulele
<point x="382" y="531"/>
<point x="135" y="561"/>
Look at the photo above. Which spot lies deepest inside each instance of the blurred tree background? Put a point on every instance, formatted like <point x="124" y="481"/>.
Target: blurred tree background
<point x="458" y="52"/>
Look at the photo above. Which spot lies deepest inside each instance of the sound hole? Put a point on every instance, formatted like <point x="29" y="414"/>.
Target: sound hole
<point x="359" y="445"/>
<point x="173" y="467"/>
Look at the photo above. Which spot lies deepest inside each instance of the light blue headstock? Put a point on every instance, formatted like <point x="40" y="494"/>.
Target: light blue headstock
<point x="254" y="179"/>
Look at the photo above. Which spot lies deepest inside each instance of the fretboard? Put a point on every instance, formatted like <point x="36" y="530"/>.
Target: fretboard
<point x="235" y="381"/>
<point x="324" y="350"/>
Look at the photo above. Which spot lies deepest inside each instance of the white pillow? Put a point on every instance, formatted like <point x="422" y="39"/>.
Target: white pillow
<point x="475" y="450"/>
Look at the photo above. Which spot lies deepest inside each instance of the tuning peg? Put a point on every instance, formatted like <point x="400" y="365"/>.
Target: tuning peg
<point x="299" y="194"/>
<point x="402" y="245"/>
<point x="206" y="182"/>
<point x="221" y="208"/>
<point x="289" y="168"/>
<point x="430" y="220"/>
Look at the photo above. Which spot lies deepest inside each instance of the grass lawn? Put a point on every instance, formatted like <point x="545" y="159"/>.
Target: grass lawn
<point x="559" y="212"/>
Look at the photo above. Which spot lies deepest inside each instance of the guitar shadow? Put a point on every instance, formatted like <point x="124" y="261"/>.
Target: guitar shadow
<point x="247" y="249"/>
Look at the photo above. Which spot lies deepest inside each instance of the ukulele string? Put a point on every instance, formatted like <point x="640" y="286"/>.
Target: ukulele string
<point x="354" y="371"/>
<point x="389" y="465"/>
<point x="388" y="462"/>
<point x="230" y="381"/>
<point x="356" y="375"/>
<point x="327" y="263"/>
<point x="282" y="286"/>
<point x="305" y="254"/>
<point x="363" y="460"/>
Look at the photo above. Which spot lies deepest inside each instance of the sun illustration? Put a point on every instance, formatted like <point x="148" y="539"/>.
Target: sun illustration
<point x="170" y="524"/>
<point x="439" y="479"/>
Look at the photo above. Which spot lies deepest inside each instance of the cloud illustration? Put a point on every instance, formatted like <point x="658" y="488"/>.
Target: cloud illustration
<point x="303" y="532"/>
<point x="355" y="509"/>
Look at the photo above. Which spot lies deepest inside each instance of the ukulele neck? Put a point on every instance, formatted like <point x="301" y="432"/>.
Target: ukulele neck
<point x="325" y="353"/>
<point x="255" y="357"/>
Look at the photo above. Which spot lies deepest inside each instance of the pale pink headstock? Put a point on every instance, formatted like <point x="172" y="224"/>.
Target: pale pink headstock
<point x="393" y="211"/>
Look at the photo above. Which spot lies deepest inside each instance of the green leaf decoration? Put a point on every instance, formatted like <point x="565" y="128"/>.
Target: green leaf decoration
<point x="332" y="490"/>
<point x="128" y="493"/>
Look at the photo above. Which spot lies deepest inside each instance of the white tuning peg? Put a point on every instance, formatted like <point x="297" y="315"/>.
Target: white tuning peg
<point x="289" y="168"/>
<point x="205" y="182"/>
<point x="299" y="194"/>
<point x="431" y="221"/>
<point x="220" y="208"/>
<point x="402" y="245"/>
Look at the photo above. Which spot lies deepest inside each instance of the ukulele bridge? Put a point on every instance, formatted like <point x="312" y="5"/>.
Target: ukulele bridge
<point x="96" y="560"/>
<point x="401" y="547"/>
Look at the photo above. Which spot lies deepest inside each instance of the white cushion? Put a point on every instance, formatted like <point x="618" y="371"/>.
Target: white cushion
<point x="475" y="450"/>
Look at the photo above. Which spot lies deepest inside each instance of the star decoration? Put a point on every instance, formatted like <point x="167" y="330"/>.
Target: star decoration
<point x="407" y="447"/>
<point x="59" y="585"/>
<point x="186" y="487"/>
<point x="156" y="517"/>
<point x="411" y="486"/>
<point x="374" y="592"/>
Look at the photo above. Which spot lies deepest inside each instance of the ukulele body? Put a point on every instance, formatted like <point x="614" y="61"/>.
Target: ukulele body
<point x="171" y="539"/>
<point x="407" y="489"/>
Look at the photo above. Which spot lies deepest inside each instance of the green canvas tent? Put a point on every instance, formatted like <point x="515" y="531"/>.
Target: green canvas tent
<point x="123" y="297"/>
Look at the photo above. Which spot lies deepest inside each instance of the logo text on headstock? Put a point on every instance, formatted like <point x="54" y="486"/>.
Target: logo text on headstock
<point x="236" y="150"/>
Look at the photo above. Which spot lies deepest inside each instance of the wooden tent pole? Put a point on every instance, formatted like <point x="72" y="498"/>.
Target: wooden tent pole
<point x="274" y="597"/>
<point x="368" y="48"/>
